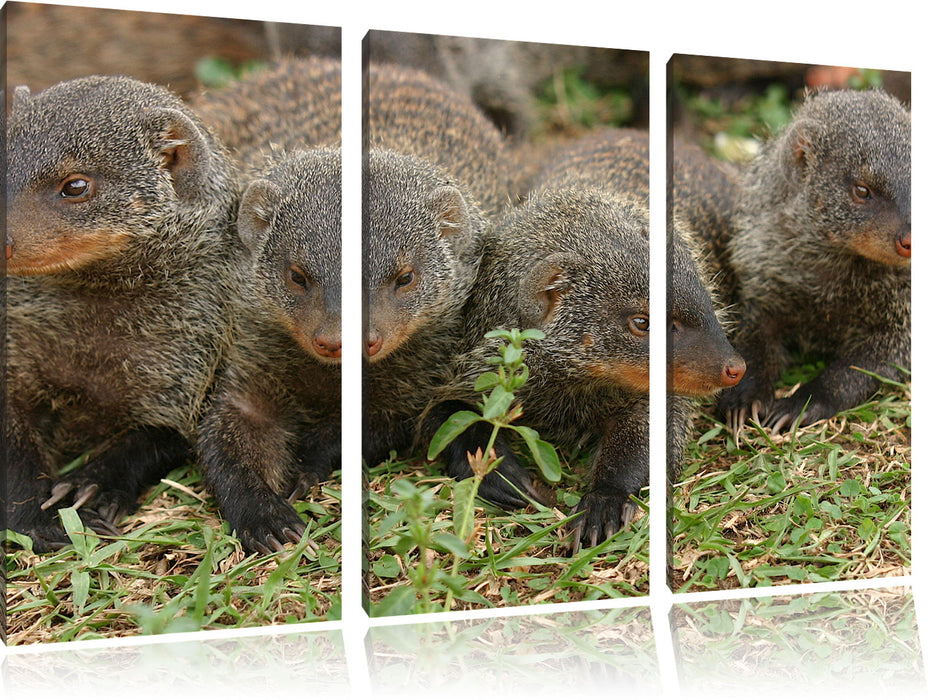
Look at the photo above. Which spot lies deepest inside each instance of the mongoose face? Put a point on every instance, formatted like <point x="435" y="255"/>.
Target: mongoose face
<point x="701" y="361"/>
<point x="291" y="221"/>
<point x="71" y="202"/>
<point x="847" y="154"/>
<point x="423" y="247"/>
<point x="581" y="264"/>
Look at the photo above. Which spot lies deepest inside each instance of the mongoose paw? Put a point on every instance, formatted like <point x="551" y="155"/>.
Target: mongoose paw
<point x="786" y="413"/>
<point x="747" y="400"/>
<point x="507" y="485"/>
<point x="602" y="513"/>
<point x="42" y="527"/>
<point x="269" y="527"/>
<point x="100" y="508"/>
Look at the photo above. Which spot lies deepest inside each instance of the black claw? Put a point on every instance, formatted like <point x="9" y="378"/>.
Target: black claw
<point x="258" y="547"/>
<point x="101" y="526"/>
<point x="304" y="483"/>
<point x="289" y="534"/>
<point x="274" y="543"/>
<point x="85" y="494"/>
<point x="112" y="513"/>
<point x="59" y="491"/>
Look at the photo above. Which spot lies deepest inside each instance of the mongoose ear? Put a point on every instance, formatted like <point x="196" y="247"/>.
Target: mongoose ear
<point x="450" y="211"/>
<point x="255" y="215"/>
<point x="182" y="149"/>
<point x="800" y="146"/>
<point x="543" y="287"/>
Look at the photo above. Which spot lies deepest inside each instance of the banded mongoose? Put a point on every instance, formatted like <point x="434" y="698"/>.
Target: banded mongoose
<point x="821" y="256"/>
<point x="122" y="264"/>
<point x="274" y="426"/>
<point x="434" y="180"/>
<point x="574" y="262"/>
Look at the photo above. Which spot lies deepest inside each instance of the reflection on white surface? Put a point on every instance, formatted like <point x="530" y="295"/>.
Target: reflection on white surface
<point x="560" y="655"/>
<point x="859" y="643"/>
<point x="823" y="645"/>
<point x="237" y="667"/>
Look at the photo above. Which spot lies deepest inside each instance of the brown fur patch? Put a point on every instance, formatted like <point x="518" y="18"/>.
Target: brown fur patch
<point x="634" y="377"/>
<point x="67" y="252"/>
<point x="686" y="382"/>
<point x="877" y="245"/>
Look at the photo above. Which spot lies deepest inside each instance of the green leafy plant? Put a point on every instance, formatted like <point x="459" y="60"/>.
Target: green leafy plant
<point x="500" y="408"/>
<point x="447" y="556"/>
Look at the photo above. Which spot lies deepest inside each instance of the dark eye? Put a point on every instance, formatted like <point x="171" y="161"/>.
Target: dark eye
<point x="861" y="192"/>
<point x="297" y="278"/>
<point x="405" y="279"/>
<point x="76" y="188"/>
<point x="638" y="324"/>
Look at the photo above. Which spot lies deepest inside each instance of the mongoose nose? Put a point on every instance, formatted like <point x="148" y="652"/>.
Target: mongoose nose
<point x="327" y="347"/>
<point x="902" y="244"/>
<point x="374" y="343"/>
<point x="733" y="372"/>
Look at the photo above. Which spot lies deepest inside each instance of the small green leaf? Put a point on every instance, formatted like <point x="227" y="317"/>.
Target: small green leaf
<point x="513" y="355"/>
<point x="486" y="381"/>
<point x="399" y="601"/>
<point x="456" y="424"/>
<point x="850" y="488"/>
<point x="447" y="542"/>
<point x="84" y="543"/>
<point x="463" y="498"/>
<point x="776" y="483"/>
<point x="866" y="529"/>
<point x="388" y="566"/>
<point x="81" y="584"/>
<point x="24" y="541"/>
<point x="497" y="403"/>
<point x="542" y="452"/>
<point x="532" y="334"/>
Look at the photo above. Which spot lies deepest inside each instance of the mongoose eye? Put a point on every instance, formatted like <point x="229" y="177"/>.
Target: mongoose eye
<point x="639" y="324"/>
<point x="861" y="192"/>
<point x="405" y="279"/>
<point x="76" y="188"/>
<point x="297" y="278"/>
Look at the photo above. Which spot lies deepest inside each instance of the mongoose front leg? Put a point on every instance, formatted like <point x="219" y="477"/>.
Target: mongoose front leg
<point x="245" y="451"/>
<point x="506" y="486"/>
<point x="108" y="486"/>
<point x="318" y="455"/>
<point x="621" y="468"/>
<point x="838" y="387"/>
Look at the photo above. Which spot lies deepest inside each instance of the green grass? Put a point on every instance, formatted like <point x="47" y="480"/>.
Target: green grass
<point x="175" y="569"/>
<point x="829" y="502"/>
<point x="517" y="558"/>
<point x="570" y="102"/>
